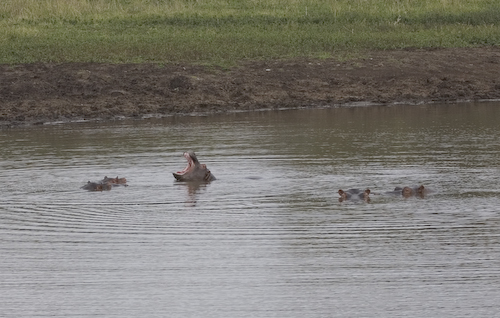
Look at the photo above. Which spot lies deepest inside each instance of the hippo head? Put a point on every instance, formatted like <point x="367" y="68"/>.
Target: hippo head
<point x="114" y="180"/>
<point x="354" y="194"/>
<point x="194" y="171"/>
<point x="415" y="191"/>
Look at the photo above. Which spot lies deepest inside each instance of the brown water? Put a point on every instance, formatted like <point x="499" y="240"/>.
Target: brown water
<point x="269" y="238"/>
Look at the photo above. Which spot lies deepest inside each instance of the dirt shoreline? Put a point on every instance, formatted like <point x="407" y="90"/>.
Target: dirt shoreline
<point x="40" y="93"/>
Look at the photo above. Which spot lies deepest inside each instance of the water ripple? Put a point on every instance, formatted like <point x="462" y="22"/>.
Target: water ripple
<point x="269" y="238"/>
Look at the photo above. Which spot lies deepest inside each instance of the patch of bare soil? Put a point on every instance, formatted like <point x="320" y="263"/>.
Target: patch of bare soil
<point x="39" y="93"/>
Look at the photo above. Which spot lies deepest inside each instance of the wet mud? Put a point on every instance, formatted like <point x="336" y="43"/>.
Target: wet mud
<point x="42" y="93"/>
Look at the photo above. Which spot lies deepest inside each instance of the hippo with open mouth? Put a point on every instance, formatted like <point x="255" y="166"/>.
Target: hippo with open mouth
<point x="354" y="194"/>
<point x="194" y="171"/>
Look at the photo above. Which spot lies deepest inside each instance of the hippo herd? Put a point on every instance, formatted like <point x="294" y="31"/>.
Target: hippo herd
<point x="194" y="172"/>
<point x="197" y="172"/>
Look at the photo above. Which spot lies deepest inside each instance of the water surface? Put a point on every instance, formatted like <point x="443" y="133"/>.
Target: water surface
<point x="269" y="238"/>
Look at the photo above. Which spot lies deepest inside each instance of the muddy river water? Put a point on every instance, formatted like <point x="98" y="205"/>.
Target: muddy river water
<point x="269" y="237"/>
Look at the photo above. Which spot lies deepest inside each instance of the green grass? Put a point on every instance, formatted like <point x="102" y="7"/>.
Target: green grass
<point x="223" y="32"/>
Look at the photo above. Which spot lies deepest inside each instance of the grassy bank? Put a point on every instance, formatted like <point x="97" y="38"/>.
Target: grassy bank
<point x="225" y="31"/>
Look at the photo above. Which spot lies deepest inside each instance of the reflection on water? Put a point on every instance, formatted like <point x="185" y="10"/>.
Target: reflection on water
<point x="269" y="237"/>
<point x="192" y="190"/>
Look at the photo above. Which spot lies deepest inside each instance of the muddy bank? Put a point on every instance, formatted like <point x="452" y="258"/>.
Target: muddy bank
<point x="39" y="93"/>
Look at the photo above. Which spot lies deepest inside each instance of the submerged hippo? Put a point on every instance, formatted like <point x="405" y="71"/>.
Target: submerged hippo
<point x="97" y="186"/>
<point x="415" y="191"/>
<point x="105" y="184"/>
<point x="407" y="192"/>
<point x="195" y="171"/>
<point x="115" y="181"/>
<point x="354" y="194"/>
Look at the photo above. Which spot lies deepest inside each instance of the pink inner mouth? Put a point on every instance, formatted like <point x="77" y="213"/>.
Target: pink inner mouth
<point x="189" y="165"/>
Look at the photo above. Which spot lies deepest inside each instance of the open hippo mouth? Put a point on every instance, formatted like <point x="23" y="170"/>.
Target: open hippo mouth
<point x="194" y="171"/>
<point x="191" y="164"/>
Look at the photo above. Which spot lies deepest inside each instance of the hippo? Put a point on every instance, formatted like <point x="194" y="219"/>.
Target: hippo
<point x="354" y="194"/>
<point x="115" y="181"/>
<point x="105" y="184"/>
<point x="415" y="191"/>
<point x="407" y="192"/>
<point x="195" y="171"/>
<point x="97" y="186"/>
